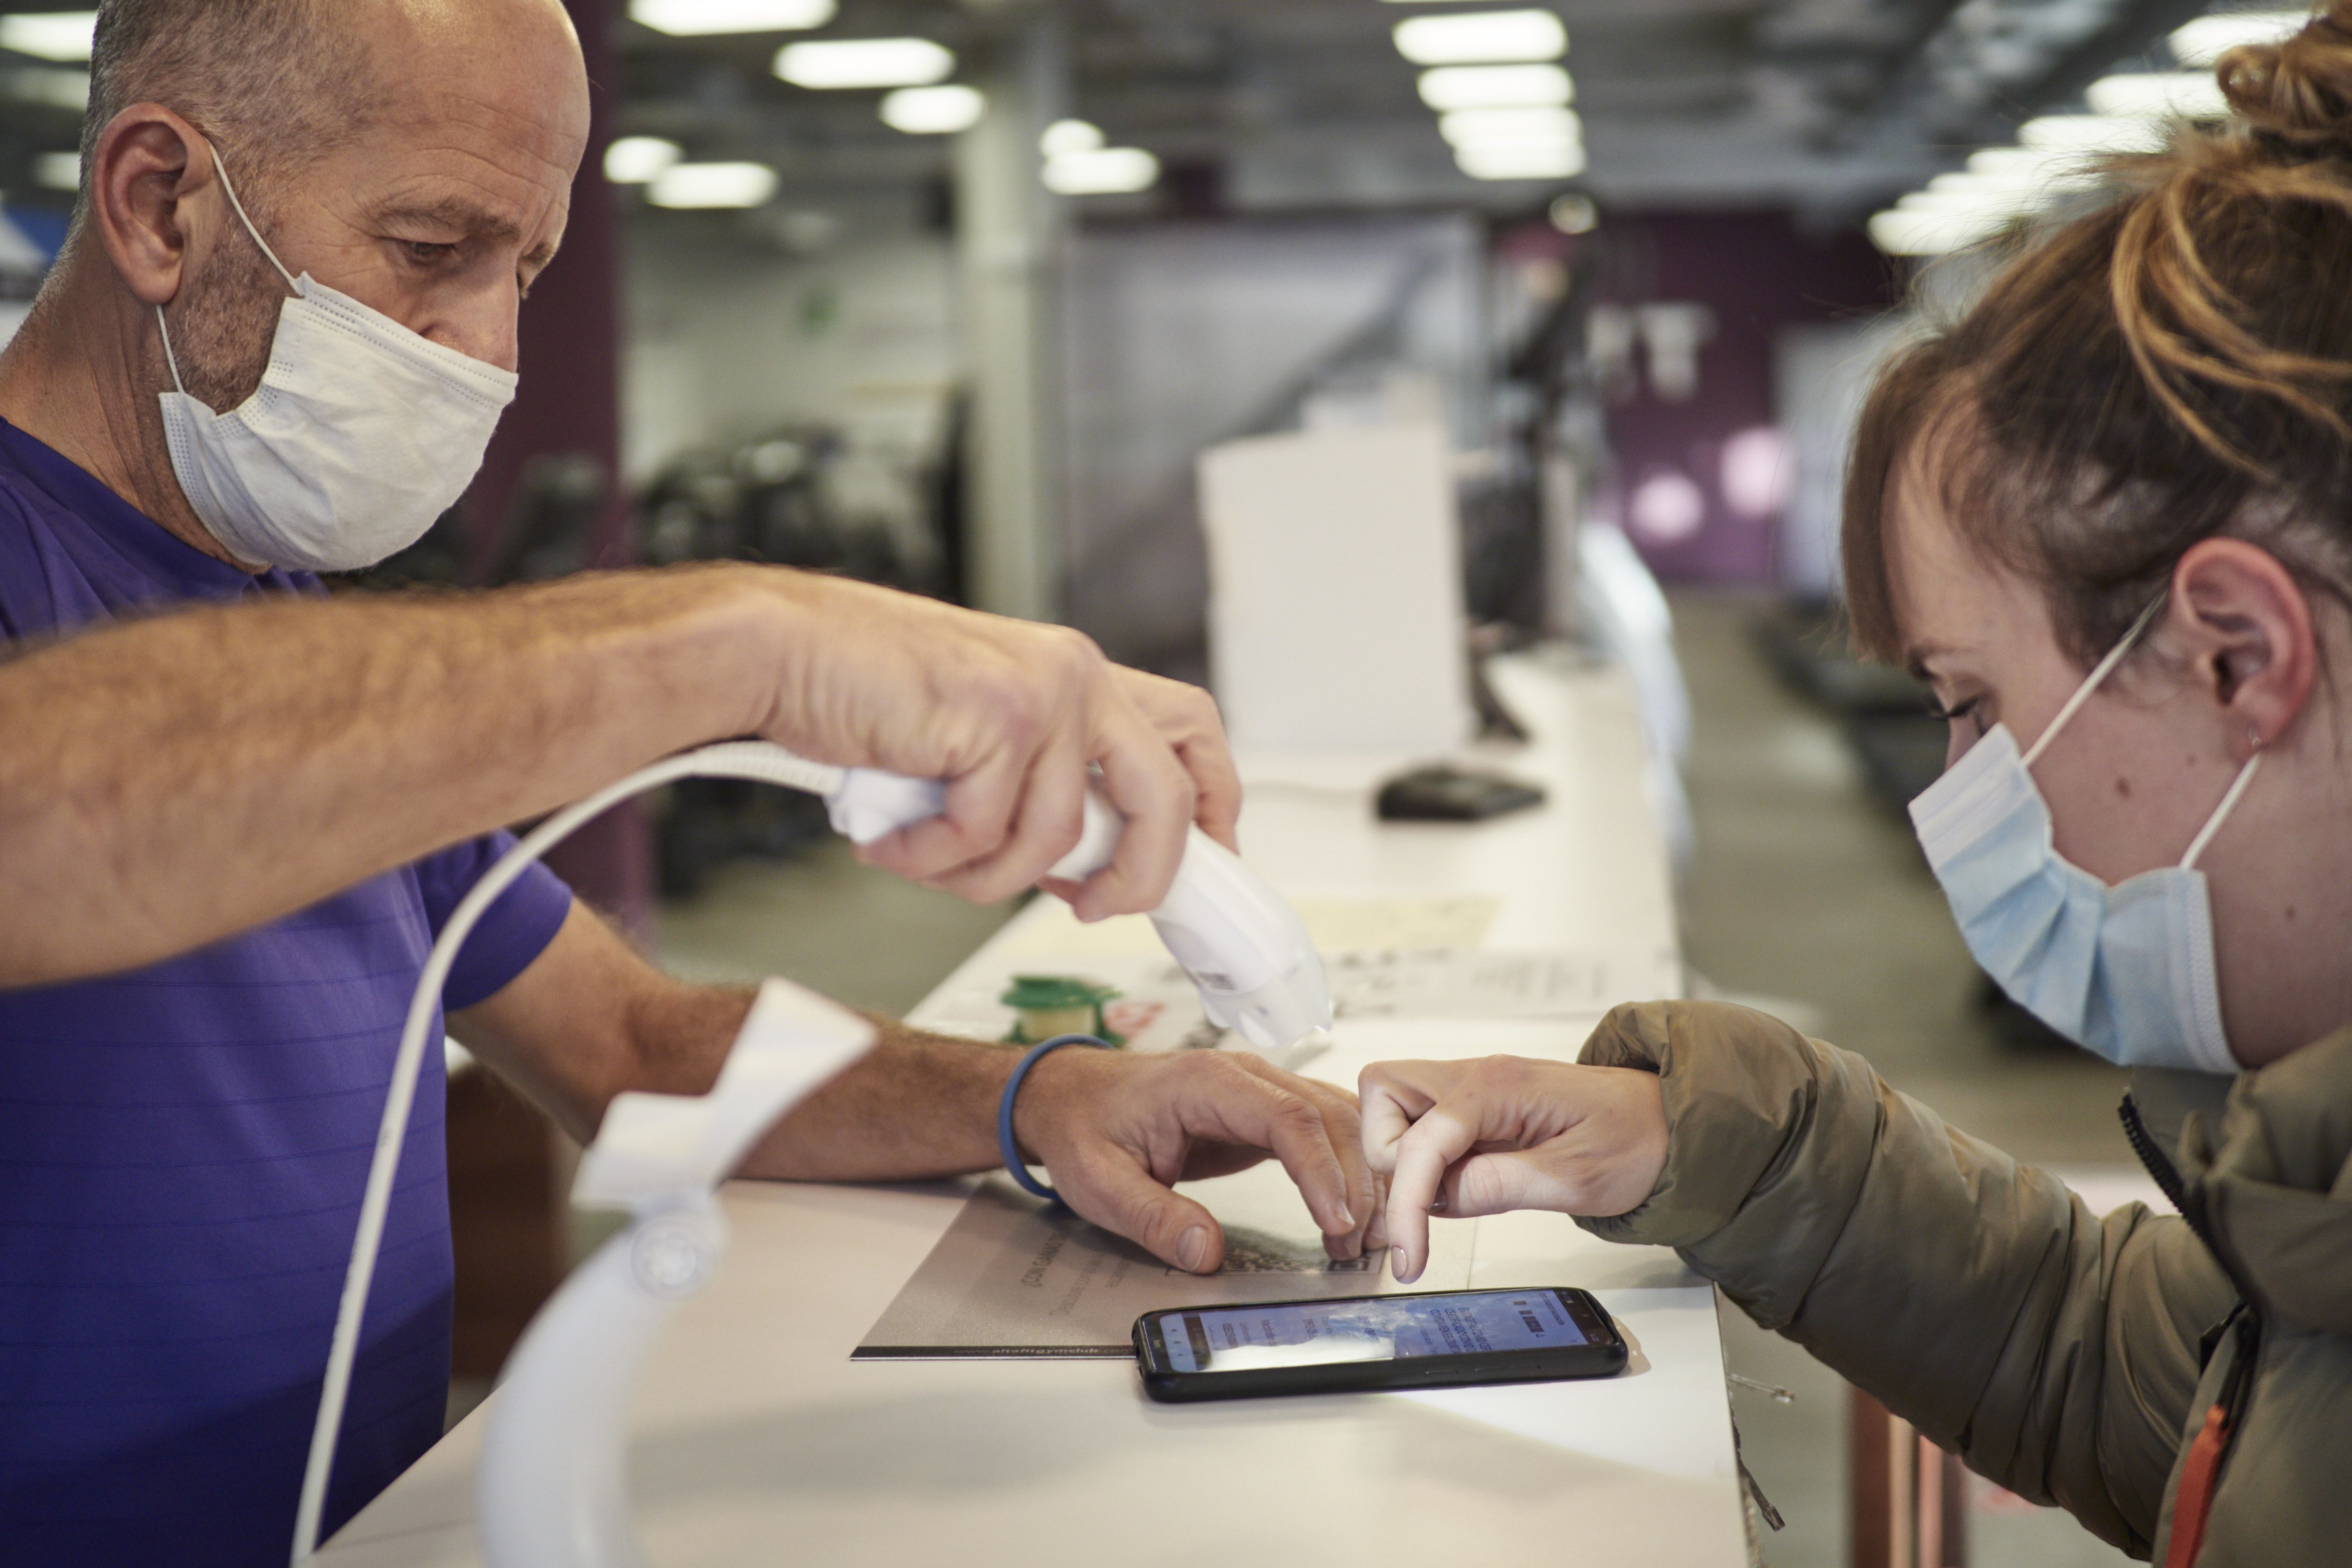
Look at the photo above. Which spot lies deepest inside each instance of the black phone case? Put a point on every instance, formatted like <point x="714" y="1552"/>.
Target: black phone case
<point x="1603" y="1356"/>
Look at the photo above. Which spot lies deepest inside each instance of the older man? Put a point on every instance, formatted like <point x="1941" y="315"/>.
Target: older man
<point x="281" y="327"/>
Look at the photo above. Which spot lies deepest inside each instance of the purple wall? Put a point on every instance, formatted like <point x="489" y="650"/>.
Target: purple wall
<point x="1758" y="273"/>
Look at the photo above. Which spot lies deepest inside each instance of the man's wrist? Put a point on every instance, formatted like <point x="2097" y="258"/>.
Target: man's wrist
<point x="794" y="620"/>
<point x="746" y="629"/>
<point x="1042" y="1104"/>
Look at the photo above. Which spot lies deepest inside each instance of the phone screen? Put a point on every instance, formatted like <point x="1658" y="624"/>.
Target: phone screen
<point x="1393" y="1328"/>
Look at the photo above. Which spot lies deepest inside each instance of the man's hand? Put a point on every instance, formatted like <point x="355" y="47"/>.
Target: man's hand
<point x="1186" y="718"/>
<point x="1470" y="1138"/>
<point x="1011" y="715"/>
<point x="1116" y="1131"/>
<point x="590" y="1018"/>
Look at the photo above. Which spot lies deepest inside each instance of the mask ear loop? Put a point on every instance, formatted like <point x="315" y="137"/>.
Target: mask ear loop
<point x="164" y="327"/>
<point x="2104" y="667"/>
<point x="169" y="357"/>
<point x="2229" y="803"/>
<point x="222" y="170"/>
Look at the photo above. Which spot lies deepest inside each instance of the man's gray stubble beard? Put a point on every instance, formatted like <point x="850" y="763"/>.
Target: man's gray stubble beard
<point x="225" y="323"/>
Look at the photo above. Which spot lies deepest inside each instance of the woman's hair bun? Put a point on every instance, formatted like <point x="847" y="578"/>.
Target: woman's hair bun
<point x="2299" y="90"/>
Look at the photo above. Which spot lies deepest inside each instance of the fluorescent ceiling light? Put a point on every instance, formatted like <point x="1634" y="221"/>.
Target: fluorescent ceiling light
<point x="933" y="111"/>
<point x="1953" y="184"/>
<point x="2004" y="190"/>
<point x="49" y="35"/>
<point x="694" y="185"/>
<point x="57" y="171"/>
<point x="2159" y="95"/>
<point x="696" y="18"/>
<point x="635" y="160"/>
<point x="1910" y="231"/>
<point x="2092" y="133"/>
<point x="2011" y="194"/>
<point x="864" y="62"/>
<point x="1105" y="170"/>
<point x="2208" y="39"/>
<point x="2017" y="163"/>
<point x="60" y="86"/>
<point x="1575" y="214"/>
<point x="1067" y="136"/>
<point x="1481" y="38"/>
<point x="2032" y="175"/>
<point x="1468" y="127"/>
<point x="1520" y="162"/>
<point x="1496" y="87"/>
<point x="1946" y="199"/>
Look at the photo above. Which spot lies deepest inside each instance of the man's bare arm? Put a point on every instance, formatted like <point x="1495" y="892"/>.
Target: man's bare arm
<point x="169" y="781"/>
<point x="166" y="783"/>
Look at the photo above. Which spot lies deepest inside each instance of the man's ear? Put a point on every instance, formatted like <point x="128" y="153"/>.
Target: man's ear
<point x="2247" y="628"/>
<point x="149" y="162"/>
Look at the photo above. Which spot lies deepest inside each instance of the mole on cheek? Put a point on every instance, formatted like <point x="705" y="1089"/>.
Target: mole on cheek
<point x="2122" y="788"/>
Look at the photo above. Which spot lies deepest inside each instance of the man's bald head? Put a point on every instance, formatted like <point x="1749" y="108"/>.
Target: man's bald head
<point x="281" y="80"/>
<point x="283" y="83"/>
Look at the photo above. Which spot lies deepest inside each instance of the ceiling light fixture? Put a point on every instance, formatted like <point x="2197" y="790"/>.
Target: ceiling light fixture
<point x="1575" y="214"/>
<point x="1101" y="171"/>
<point x="2018" y="163"/>
<point x="2159" y="94"/>
<point x="1496" y="87"/>
<point x="49" y="35"/>
<point x="59" y="86"/>
<point x="706" y="185"/>
<point x="831" y="63"/>
<point x="2208" y="39"/>
<point x="637" y="160"/>
<point x="2092" y="133"/>
<point x="1484" y="38"/>
<point x="1928" y="231"/>
<point x="2008" y="193"/>
<point x="57" y="171"/>
<point x="1526" y="162"/>
<point x="1474" y="127"/>
<point x="933" y="111"/>
<point x="1065" y="137"/>
<point x="702" y="19"/>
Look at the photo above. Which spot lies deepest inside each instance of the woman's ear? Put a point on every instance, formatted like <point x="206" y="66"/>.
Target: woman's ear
<point x="148" y="162"/>
<point x="2247" y="628"/>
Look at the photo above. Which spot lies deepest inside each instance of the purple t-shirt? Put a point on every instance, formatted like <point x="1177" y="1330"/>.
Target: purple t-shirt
<point x="182" y="1151"/>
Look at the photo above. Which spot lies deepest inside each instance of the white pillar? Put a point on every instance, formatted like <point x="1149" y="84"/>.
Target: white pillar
<point x="1009" y="230"/>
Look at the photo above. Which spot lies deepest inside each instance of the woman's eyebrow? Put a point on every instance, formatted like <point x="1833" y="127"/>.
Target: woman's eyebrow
<point x="1917" y="654"/>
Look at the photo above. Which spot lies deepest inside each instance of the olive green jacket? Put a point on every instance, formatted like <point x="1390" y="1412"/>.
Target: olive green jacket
<point x="2070" y="1358"/>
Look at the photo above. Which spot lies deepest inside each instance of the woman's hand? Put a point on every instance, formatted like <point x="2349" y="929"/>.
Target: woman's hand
<point x="1469" y="1138"/>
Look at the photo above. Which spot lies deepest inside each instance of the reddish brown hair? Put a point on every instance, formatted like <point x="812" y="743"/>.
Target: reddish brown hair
<point x="2174" y="365"/>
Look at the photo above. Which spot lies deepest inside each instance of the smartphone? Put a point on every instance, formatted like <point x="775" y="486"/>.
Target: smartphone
<point x="1430" y="1339"/>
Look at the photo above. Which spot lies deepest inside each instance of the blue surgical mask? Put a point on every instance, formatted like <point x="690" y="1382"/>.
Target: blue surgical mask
<point x="2126" y="971"/>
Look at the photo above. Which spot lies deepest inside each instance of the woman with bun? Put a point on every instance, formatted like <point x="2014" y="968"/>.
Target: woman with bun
<point x="2107" y="516"/>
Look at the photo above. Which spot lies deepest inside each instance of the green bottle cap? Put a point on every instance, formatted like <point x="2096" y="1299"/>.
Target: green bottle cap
<point x="1042" y="990"/>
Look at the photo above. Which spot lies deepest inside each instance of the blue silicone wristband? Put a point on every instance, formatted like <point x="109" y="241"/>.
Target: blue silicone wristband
<point x="1006" y="1144"/>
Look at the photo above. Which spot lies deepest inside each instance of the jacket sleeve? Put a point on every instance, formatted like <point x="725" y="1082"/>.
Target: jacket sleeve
<point x="1974" y="1297"/>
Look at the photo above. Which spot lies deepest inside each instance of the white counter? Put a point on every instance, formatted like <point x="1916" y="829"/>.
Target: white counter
<point x="758" y="1441"/>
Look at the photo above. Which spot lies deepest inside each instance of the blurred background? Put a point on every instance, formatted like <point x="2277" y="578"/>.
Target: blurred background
<point x="955" y="295"/>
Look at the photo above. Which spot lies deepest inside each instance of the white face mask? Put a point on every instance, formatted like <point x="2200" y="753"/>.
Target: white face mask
<point x="2128" y="971"/>
<point x="361" y="433"/>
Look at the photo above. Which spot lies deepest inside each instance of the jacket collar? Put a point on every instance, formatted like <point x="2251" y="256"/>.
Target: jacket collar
<point x="2275" y="1189"/>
